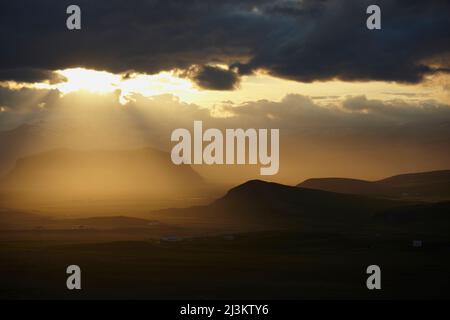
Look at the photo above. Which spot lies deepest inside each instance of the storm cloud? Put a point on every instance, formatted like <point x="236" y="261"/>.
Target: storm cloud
<point x="300" y="40"/>
<point x="213" y="78"/>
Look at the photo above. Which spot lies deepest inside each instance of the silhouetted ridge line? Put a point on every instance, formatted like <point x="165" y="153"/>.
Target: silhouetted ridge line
<point x="428" y="186"/>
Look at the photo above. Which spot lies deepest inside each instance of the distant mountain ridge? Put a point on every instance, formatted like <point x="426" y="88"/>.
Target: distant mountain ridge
<point x="432" y="185"/>
<point x="293" y="200"/>
<point x="259" y="205"/>
<point x="34" y="138"/>
<point x="74" y="173"/>
<point x="21" y="220"/>
<point x="259" y="202"/>
<point x="266" y="205"/>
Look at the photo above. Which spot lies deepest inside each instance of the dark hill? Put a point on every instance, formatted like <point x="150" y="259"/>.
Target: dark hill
<point x="263" y="203"/>
<point x="344" y="185"/>
<point x="20" y="220"/>
<point x="277" y="199"/>
<point x="14" y="219"/>
<point x="432" y="186"/>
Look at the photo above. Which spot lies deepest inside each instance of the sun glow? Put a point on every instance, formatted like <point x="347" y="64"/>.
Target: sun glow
<point x="80" y="79"/>
<point x="151" y="85"/>
<point x="88" y="80"/>
<point x="254" y="87"/>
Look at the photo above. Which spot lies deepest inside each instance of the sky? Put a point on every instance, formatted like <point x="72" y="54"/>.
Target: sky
<point x="348" y="100"/>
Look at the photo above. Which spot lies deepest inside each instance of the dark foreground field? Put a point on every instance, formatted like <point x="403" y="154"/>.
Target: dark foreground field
<point x="267" y="265"/>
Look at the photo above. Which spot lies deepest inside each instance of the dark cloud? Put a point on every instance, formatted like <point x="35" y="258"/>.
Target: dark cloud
<point x="213" y="78"/>
<point x="30" y="75"/>
<point x="301" y="40"/>
<point x="334" y="43"/>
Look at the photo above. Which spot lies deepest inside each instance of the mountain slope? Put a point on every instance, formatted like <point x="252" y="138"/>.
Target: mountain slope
<point x="22" y="220"/>
<point x="34" y="138"/>
<point x="270" y="204"/>
<point x="282" y="199"/>
<point x="101" y="173"/>
<point x="17" y="143"/>
<point x="14" y="219"/>
<point x="433" y="185"/>
<point x="344" y="185"/>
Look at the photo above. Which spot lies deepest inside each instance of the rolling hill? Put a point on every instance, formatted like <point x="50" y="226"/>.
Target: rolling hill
<point x="11" y="219"/>
<point x="15" y="219"/>
<point x="432" y="186"/>
<point x="260" y="203"/>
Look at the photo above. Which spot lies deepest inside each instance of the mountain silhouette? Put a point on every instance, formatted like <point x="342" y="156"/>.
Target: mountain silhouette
<point x="101" y="173"/>
<point x="21" y="220"/>
<point x="43" y="136"/>
<point x="18" y="142"/>
<point x="433" y="185"/>
<point x="16" y="219"/>
<point x="267" y="203"/>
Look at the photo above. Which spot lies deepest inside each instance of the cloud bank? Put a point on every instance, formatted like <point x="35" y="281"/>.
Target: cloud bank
<point x="300" y="40"/>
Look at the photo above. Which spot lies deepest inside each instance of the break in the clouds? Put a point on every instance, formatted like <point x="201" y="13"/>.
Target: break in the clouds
<point x="300" y="40"/>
